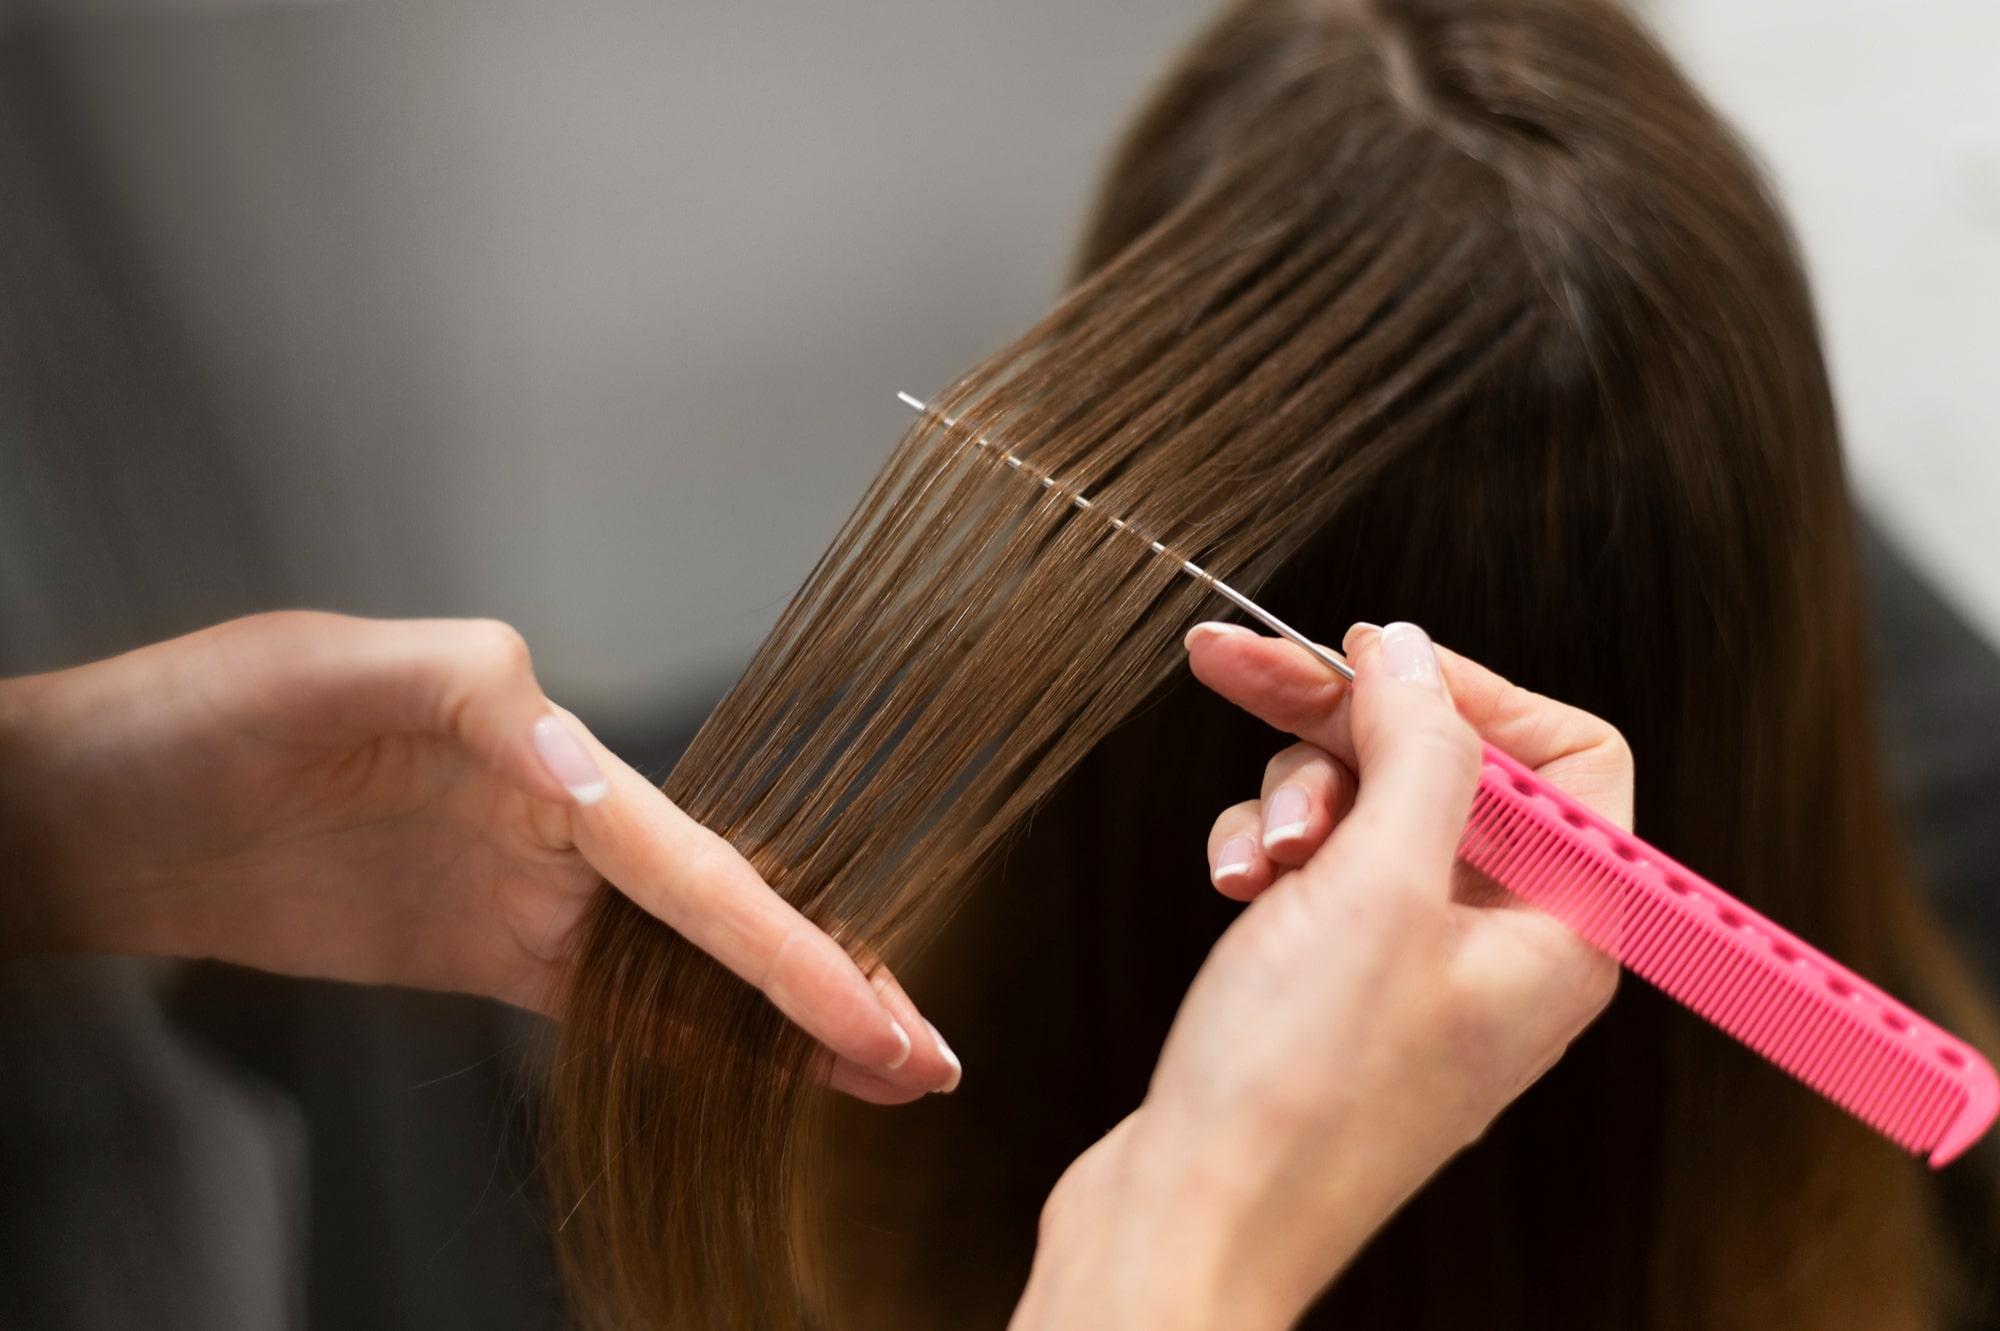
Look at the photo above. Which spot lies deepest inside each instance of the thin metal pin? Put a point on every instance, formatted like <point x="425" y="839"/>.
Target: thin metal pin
<point x="1330" y="659"/>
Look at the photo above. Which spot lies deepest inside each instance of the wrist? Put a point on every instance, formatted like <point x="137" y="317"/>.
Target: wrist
<point x="1263" y="1228"/>
<point x="1167" y="1231"/>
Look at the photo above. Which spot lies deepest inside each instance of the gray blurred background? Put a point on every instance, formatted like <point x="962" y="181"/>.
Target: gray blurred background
<point x="586" y="315"/>
<point x="589" y="315"/>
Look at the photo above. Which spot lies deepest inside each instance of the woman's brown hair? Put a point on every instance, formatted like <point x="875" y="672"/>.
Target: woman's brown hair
<point x="1461" y="311"/>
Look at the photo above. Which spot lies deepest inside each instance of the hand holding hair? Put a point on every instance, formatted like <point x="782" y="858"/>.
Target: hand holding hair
<point x="1368" y="1015"/>
<point x="386" y="802"/>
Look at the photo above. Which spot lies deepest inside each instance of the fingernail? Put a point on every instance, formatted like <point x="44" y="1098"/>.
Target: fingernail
<point x="903" y="1039"/>
<point x="1214" y="628"/>
<point x="569" y="762"/>
<point x="879" y="982"/>
<point x="1235" y="858"/>
<point x="1285" y="815"/>
<point x="1407" y="652"/>
<point x="957" y="1068"/>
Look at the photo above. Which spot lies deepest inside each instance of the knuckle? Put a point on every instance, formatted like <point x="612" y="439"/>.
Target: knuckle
<point x="286" y="619"/>
<point x="1232" y="821"/>
<point x="1297" y="705"/>
<point x="296" y="627"/>
<point x="495" y="651"/>
<point x="1572" y="730"/>
<point x="1302" y="754"/>
<point x="1617" y="749"/>
<point x="703" y="868"/>
<point x="477" y="663"/>
<point x="792" y="951"/>
<point x="1600" y="984"/>
<point x="1300" y="761"/>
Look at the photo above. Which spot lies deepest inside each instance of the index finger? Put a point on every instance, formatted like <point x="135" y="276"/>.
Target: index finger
<point x="1277" y="682"/>
<point x="695" y="882"/>
<point x="1280" y="684"/>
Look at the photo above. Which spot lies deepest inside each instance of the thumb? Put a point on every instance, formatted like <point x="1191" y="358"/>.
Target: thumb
<point x="1416" y="759"/>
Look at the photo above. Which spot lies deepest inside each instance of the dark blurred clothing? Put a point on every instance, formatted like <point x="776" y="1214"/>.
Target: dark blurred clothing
<point x="144" y="1181"/>
<point x="1939" y="686"/>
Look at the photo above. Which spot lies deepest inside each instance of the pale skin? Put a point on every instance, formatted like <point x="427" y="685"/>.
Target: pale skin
<point x="388" y="802"/>
<point x="1364" y="1019"/>
<point x="400" y="803"/>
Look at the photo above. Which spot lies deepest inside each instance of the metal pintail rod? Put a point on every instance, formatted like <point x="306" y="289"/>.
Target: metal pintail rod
<point x="1330" y="659"/>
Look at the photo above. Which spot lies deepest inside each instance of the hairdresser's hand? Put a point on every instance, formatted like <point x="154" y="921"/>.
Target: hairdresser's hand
<point x="392" y="802"/>
<point x="1366" y="1017"/>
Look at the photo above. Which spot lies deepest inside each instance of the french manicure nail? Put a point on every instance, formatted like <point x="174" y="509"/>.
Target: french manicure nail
<point x="563" y="754"/>
<point x="1235" y="858"/>
<point x="951" y="1059"/>
<point x="1285" y="815"/>
<point x="1409" y="656"/>
<point x="903" y="1039"/>
<point x="1213" y="628"/>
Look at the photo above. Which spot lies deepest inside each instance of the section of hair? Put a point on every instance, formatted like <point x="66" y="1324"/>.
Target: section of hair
<point x="971" y="634"/>
<point x="1464" y="311"/>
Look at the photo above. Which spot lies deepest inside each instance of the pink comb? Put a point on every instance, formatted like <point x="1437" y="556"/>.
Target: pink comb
<point x="1923" y="1088"/>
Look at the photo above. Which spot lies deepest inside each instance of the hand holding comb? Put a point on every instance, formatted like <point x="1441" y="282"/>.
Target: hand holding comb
<point x="1912" y="1081"/>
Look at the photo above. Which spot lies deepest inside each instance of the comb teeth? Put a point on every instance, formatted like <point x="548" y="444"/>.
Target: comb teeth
<point x="1921" y="1087"/>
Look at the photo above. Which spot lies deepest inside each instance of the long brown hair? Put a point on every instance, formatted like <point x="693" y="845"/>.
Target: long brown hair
<point x="1461" y="311"/>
